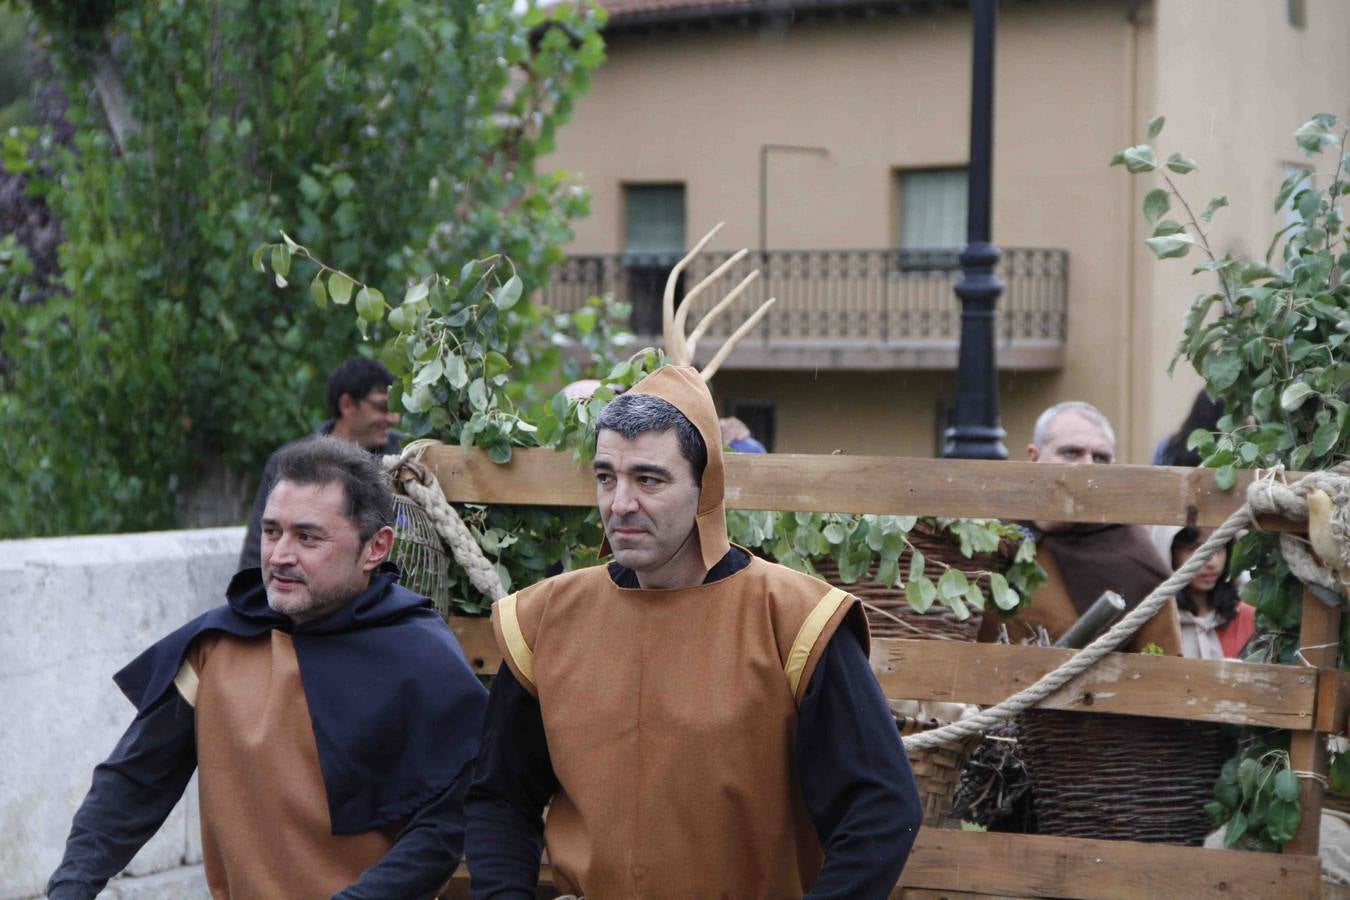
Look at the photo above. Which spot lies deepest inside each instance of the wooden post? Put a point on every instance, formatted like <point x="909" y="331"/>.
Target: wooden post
<point x="1318" y="637"/>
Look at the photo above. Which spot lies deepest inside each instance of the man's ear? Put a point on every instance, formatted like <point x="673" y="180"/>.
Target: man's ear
<point x="346" y="405"/>
<point x="1033" y="454"/>
<point x="377" y="548"/>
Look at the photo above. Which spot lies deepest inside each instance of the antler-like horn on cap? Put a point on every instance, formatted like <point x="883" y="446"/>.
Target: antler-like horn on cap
<point x="680" y="348"/>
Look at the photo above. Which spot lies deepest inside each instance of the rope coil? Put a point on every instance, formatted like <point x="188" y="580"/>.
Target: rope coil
<point x="422" y="486"/>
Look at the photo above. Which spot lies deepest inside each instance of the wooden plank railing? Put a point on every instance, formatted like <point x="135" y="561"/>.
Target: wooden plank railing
<point x="1308" y="700"/>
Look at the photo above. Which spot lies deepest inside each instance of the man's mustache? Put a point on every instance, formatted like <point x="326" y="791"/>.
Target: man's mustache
<point x="290" y="574"/>
<point x="632" y="520"/>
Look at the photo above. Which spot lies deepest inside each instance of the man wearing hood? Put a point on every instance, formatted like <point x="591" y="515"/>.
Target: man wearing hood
<point x="702" y="722"/>
<point x="1083" y="560"/>
<point x="329" y="712"/>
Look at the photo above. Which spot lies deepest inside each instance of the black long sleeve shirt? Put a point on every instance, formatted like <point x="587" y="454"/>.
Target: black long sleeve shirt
<point x="855" y="778"/>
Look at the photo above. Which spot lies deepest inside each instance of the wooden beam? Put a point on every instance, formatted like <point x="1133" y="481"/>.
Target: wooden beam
<point x="882" y="484"/>
<point x="1318" y="639"/>
<point x="1225" y="691"/>
<point x="1042" y="866"/>
<point x="1126" y="683"/>
<point x="1333" y="700"/>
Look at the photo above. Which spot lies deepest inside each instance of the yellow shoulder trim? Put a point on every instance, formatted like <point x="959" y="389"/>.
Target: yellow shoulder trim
<point x="808" y="634"/>
<point x="521" y="654"/>
<point x="187" y="681"/>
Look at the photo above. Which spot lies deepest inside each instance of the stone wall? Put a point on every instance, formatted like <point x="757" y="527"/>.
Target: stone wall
<point x="72" y="612"/>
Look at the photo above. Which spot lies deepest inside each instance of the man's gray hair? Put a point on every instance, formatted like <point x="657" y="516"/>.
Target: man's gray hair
<point x="633" y="414"/>
<point x="324" y="460"/>
<point x="1040" y="435"/>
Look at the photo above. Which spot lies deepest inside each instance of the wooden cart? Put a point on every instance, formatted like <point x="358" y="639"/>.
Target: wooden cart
<point x="1309" y="700"/>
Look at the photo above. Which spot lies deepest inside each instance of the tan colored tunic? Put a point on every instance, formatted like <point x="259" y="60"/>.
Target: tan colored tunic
<point x="265" y="825"/>
<point x="671" y="719"/>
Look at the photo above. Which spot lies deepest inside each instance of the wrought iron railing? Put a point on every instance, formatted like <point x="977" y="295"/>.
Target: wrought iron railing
<point x="882" y="296"/>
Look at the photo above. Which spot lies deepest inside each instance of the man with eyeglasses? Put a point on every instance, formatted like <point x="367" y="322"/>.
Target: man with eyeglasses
<point x="358" y="403"/>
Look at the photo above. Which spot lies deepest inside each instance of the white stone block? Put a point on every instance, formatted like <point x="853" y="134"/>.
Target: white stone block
<point x="72" y="612"/>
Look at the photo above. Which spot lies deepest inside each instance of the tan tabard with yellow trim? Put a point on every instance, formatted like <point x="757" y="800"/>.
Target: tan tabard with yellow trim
<point x="671" y="719"/>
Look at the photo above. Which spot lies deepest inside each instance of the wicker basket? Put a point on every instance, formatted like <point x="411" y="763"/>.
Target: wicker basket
<point x="1132" y="778"/>
<point x="937" y="771"/>
<point x="939" y="623"/>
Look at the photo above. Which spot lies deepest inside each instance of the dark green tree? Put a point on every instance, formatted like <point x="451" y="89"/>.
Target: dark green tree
<point x="399" y="135"/>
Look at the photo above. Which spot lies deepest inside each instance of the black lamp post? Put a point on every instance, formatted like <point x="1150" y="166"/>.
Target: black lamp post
<point x="975" y="432"/>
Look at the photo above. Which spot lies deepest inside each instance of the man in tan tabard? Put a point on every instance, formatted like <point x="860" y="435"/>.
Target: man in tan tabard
<point x="329" y="713"/>
<point x="1084" y="560"/>
<point x="700" y="722"/>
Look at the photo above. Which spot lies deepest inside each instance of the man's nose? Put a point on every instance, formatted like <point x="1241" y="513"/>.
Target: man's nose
<point x="392" y="418"/>
<point x="282" y="551"/>
<point x="625" y="498"/>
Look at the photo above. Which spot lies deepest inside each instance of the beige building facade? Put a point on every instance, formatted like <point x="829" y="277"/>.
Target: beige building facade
<point x="832" y="138"/>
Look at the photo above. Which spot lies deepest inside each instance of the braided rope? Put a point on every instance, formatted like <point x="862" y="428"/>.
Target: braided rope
<point x="1264" y="495"/>
<point x="422" y="487"/>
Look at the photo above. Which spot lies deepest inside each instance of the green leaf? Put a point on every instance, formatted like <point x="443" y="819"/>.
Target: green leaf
<point x="1225" y="477"/>
<point x="281" y="259"/>
<point x="1237" y="827"/>
<point x="310" y="188"/>
<point x="509" y="293"/>
<point x="920" y="593"/>
<point x="1200" y="440"/>
<point x="257" y="260"/>
<point x="585" y="320"/>
<point x="834" y="533"/>
<point x="1288" y="187"/>
<point x="1281" y="820"/>
<point x="1171" y="246"/>
<point x="916" y="566"/>
<point x="1214" y="206"/>
<point x="495" y="364"/>
<point x="369" y="304"/>
<point x="1286" y="785"/>
<point x="1249" y="777"/>
<point x="1326" y="436"/>
<point x="1295" y="395"/>
<point x="1180" y="164"/>
<point x="416" y="292"/>
<point x="317" y="292"/>
<point x="952" y="584"/>
<point x="1228" y="793"/>
<point x="1155" y="127"/>
<point x="340" y="288"/>
<point x="1156" y="205"/>
<point x="888" y="572"/>
<point x="478" y="398"/>
<point x="1136" y="159"/>
<point x="456" y="372"/>
<point x="1315" y="134"/>
<point x="401" y="320"/>
<point x="1223" y="370"/>
<point x="975" y="595"/>
<point x="1340" y="773"/>
<point x="1005" y="598"/>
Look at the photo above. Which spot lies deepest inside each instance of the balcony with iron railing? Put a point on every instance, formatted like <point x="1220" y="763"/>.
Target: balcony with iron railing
<point x="840" y="309"/>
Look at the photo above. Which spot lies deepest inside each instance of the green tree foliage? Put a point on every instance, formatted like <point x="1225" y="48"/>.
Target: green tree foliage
<point x="1270" y="343"/>
<point x="399" y="135"/>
